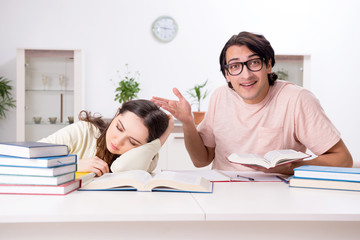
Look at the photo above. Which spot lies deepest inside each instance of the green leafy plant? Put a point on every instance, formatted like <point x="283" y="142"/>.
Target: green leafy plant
<point x="197" y="93"/>
<point x="6" y="99"/>
<point x="128" y="88"/>
<point x="282" y="74"/>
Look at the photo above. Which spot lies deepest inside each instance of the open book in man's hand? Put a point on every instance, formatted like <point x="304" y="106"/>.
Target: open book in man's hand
<point x="271" y="159"/>
<point x="139" y="180"/>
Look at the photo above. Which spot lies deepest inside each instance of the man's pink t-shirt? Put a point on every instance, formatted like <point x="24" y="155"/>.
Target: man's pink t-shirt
<point x="289" y="117"/>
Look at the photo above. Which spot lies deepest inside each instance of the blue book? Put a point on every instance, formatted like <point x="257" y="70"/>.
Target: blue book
<point x="38" y="171"/>
<point x="36" y="180"/>
<point x="37" y="162"/>
<point x="327" y="173"/>
<point x="32" y="149"/>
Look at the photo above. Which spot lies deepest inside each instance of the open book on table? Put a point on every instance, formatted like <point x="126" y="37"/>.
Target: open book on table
<point x="139" y="180"/>
<point x="271" y="159"/>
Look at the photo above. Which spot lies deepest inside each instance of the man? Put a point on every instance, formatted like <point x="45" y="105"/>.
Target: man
<point x="257" y="113"/>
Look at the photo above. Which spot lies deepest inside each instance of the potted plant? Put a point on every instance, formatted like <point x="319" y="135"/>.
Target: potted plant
<point x="6" y="99"/>
<point x="128" y="88"/>
<point x="197" y="94"/>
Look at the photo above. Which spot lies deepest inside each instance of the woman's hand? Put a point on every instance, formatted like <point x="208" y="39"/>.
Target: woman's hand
<point x="167" y="132"/>
<point x="94" y="164"/>
<point x="179" y="109"/>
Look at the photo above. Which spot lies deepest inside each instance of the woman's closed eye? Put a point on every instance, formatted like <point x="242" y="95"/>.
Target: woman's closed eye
<point x="119" y="127"/>
<point x="131" y="140"/>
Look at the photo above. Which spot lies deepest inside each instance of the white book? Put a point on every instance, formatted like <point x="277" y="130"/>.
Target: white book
<point x="36" y="171"/>
<point x="37" y="162"/>
<point x="36" y="180"/>
<point x="271" y="159"/>
<point x="32" y="149"/>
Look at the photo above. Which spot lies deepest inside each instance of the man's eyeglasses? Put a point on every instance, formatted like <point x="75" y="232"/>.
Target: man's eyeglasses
<point x="236" y="68"/>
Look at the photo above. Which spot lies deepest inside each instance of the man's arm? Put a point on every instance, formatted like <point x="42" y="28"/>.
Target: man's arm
<point x="337" y="156"/>
<point x="199" y="153"/>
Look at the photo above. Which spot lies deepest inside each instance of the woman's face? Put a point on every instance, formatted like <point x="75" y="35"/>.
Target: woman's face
<point x="126" y="131"/>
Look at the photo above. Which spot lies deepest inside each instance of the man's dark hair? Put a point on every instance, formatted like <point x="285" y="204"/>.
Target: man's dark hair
<point x="257" y="44"/>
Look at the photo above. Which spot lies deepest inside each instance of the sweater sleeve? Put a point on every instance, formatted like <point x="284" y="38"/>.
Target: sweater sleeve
<point x="144" y="157"/>
<point x="80" y="137"/>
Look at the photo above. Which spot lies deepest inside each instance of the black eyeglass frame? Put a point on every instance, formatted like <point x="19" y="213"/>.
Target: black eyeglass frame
<point x="245" y="63"/>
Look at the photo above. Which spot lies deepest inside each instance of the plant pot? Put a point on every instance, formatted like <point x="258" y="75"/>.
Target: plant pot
<point x="198" y="117"/>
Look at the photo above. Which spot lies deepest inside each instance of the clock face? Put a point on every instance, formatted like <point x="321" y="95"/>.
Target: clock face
<point x="165" y="28"/>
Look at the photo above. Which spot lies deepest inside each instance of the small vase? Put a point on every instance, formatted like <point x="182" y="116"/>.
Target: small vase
<point x="198" y="117"/>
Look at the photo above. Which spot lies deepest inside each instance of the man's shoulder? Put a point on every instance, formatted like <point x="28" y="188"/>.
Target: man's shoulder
<point x="291" y="92"/>
<point x="289" y="89"/>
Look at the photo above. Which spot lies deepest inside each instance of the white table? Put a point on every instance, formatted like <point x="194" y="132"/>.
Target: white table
<point x="233" y="211"/>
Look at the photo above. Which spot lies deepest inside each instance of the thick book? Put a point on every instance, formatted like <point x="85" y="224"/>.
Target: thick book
<point x="327" y="173"/>
<point x="324" y="184"/>
<point x="36" y="180"/>
<point x="32" y="149"/>
<point x="139" y="180"/>
<point x="62" y="189"/>
<point x="271" y="159"/>
<point x="37" y="162"/>
<point x="38" y="171"/>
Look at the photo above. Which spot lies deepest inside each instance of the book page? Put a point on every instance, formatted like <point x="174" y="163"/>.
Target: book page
<point x="133" y="178"/>
<point x="282" y="156"/>
<point x="178" y="177"/>
<point x="180" y="181"/>
<point x="249" y="159"/>
<point x="209" y="174"/>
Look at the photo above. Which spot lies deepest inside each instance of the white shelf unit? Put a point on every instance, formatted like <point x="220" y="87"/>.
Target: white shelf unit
<point x="293" y="68"/>
<point x="49" y="84"/>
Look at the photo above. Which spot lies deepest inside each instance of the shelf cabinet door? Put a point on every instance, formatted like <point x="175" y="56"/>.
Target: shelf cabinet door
<point x="174" y="156"/>
<point x="48" y="91"/>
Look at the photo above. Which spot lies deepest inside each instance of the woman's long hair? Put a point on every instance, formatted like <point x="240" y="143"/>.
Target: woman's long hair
<point x="155" y="120"/>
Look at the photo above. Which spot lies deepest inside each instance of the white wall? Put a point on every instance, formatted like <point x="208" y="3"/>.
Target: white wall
<point x="113" y="32"/>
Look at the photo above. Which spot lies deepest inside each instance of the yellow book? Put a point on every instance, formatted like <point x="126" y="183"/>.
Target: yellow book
<point x="85" y="177"/>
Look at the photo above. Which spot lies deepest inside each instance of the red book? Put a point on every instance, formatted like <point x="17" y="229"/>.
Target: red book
<point x="62" y="189"/>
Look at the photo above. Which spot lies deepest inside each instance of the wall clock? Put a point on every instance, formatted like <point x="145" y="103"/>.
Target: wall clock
<point x="165" y="28"/>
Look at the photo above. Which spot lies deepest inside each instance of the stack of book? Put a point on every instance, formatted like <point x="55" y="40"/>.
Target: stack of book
<point x="37" y="168"/>
<point x="325" y="177"/>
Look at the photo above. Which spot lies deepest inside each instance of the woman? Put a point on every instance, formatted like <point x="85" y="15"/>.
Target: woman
<point x="130" y="141"/>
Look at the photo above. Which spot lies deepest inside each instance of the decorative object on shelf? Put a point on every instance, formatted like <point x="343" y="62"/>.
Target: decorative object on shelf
<point x="61" y="81"/>
<point x="128" y="88"/>
<point x="282" y="74"/>
<point x="52" y="120"/>
<point x="165" y="28"/>
<point x="197" y="96"/>
<point x="37" y="120"/>
<point x="71" y="119"/>
<point x="6" y="99"/>
<point x="45" y="81"/>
